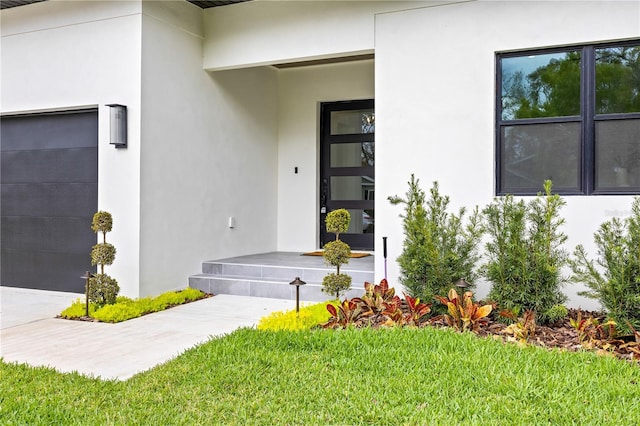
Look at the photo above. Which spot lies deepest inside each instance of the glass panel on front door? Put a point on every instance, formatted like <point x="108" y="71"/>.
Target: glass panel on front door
<point x="347" y="157"/>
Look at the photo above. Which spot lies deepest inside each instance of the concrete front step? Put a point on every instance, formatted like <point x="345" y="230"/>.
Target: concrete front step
<point x="269" y="275"/>
<point x="281" y="272"/>
<point x="257" y="287"/>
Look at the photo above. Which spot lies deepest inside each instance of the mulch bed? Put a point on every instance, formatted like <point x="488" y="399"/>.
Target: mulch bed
<point x="561" y="335"/>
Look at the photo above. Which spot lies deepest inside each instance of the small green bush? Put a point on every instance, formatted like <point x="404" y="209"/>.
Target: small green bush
<point x="337" y="222"/>
<point x="336" y="284"/>
<point x="102" y="289"/>
<point x="614" y="278"/>
<point x="103" y="254"/>
<point x="337" y="253"/>
<point x="525" y="254"/>
<point x="102" y="222"/>
<point x="309" y="317"/>
<point x="438" y="248"/>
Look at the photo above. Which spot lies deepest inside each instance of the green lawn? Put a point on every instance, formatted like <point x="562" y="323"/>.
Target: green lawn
<point x="378" y="377"/>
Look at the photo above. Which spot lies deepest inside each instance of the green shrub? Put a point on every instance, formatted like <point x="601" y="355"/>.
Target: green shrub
<point x="337" y="222"/>
<point x="103" y="254"/>
<point x="525" y="254"/>
<point x="337" y="253"/>
<point x="102" y="289"/>
<point x="614" y="278"/>
<point x="102" y="222"/>
<point x="335" y="284"/>
<point x="309" y="317"/>
<point x="438" y="248"/>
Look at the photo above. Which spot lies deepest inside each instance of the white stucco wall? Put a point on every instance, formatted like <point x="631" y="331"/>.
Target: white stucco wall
<point x="209" y="151"/>
<point x="60" y="55"/>
<point x="271" y="32"/>
<point x="301" y="90"/>
<point x="435" y="83"/>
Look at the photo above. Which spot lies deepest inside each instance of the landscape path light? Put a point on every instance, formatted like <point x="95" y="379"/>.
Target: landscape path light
<point x="297" y="282"/>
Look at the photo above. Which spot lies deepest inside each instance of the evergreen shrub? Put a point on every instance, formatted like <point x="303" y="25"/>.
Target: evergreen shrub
<point x="525" y="255"/>
<point x="614" y="277"/>
<point x="439" y="248"/>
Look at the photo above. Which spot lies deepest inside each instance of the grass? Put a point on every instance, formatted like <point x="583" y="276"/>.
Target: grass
<point x="322" y="377"/>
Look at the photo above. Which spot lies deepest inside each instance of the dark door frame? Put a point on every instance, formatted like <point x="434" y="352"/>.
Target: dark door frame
<point x="364" y="241"/>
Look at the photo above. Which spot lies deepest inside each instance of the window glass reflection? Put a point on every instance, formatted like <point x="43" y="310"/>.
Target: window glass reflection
<point x="545" y="85"/>
<point x="534" y="153"/>
<point x="618" y="80"/>
<point x="617" y="154"/>
<point x="362" y="221"/>
<point x="352" y="188"/>
<point x="352" y="154"/>
<point x="352" y="122"/>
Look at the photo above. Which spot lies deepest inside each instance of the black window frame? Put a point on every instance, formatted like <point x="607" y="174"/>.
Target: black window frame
<point x="587" y="120"/>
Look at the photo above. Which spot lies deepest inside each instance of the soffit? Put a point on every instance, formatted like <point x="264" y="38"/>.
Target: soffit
<point x="6" y="4"/>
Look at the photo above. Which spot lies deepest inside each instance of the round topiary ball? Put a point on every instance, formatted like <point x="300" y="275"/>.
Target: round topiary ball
<point x="103" y="254"/>
<point x="337" y="221"/>
<point x="337" y="253"/>
<point x="102" y="289"/>
<point x="335" y="284"/>
<point x="102" y="222"/>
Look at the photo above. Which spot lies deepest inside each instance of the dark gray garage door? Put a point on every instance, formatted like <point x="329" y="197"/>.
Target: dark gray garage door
<point x="49" y="183"/>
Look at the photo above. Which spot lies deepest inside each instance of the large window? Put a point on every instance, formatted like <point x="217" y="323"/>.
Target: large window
<point x="571" y="115"/>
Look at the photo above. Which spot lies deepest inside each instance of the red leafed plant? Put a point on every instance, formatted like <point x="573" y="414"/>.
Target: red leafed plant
<point x="464" y="314"/>
<point x="348" y="313"/>
<point x="416" y="310"/>
<point x="378" y="307"/>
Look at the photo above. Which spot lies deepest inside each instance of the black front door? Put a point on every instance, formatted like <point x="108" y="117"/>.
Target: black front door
<point x="347" y="147"/>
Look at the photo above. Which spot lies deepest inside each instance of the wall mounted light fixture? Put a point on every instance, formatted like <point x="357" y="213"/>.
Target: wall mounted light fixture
<point x="118" y="125"/>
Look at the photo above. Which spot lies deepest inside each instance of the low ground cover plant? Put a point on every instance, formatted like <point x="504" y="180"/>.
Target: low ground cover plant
<point x="412" y="376"/>
<point x="125" y="308"/>
<point x="308" y="317"/>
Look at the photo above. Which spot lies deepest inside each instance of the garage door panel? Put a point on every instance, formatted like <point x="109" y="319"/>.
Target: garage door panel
<point x="52" y="199"/>
<point x="58" y="165"/>
<point x="47" y="234"/>
<point x="43" y="270"/>
<point x="51" y="131"/>
<point x="49" y="189"/>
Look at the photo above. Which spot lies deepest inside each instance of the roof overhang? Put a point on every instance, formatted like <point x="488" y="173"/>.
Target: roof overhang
<point x="6" y="4"/>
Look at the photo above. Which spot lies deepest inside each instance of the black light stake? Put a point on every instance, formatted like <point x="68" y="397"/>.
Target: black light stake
<point x="86" y="277"/>
<point x="297" y="282"/>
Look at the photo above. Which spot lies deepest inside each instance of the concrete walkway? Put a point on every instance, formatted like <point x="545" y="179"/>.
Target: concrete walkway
<point x="30" y="333"/>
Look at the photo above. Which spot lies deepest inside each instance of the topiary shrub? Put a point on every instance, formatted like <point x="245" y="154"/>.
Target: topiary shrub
<point x="438" y="248"/>
<point x="101" y="288"/>
<point x="337" y="253"/>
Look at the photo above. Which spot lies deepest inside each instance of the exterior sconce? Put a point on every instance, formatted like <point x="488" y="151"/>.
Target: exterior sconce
<point x="297" y="282"/>
<point x="118" y="125"/>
